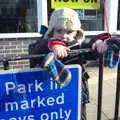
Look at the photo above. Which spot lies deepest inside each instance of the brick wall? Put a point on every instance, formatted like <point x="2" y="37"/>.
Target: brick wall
<point x="14" y="47"/>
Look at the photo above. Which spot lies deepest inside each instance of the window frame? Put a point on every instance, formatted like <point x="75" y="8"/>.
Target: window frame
<point x="41" y="18"/>
<point x="111" y="13"/>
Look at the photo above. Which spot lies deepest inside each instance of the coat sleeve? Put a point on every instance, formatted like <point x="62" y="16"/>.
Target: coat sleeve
<point x="92" y="54"/>
<point x="82" y="57"/>
<point x="39" y="47"/>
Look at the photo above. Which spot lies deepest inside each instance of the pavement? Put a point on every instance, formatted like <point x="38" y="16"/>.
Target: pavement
<point x="109" y="93"/>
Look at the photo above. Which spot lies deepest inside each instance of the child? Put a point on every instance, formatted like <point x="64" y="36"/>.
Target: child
<point x="64" y="34"/>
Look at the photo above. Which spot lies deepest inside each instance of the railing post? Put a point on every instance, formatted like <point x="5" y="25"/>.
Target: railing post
<point x="5" y="64"/>
<point x="100" y="86"/>
<point x="117" y="94"/>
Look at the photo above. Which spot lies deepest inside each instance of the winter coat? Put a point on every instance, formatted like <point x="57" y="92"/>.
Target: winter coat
<point x="41" y="47"/>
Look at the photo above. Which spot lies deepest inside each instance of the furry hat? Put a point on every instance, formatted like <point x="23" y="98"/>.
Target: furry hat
<point x="68" y="19"/>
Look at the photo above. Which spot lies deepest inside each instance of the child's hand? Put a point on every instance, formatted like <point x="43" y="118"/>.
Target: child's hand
<point x="100" y="46"/>
<point x="60" y="51"/>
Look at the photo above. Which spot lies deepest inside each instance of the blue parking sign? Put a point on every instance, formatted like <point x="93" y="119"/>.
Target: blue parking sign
<point x="33" y="95"/>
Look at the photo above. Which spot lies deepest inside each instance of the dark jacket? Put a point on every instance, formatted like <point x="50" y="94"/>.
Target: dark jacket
<point x="41" y="47"/>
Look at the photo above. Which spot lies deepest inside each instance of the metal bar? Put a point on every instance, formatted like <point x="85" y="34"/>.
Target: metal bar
<point x="100" y="86"/>
<point x="5" y="65"/>
<point x="21" y="57"/>
<point x="6" y="60"/>
<point x="117" y="94"/>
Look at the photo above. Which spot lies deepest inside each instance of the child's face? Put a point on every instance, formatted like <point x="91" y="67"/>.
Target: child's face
<point x="64" y="35"/>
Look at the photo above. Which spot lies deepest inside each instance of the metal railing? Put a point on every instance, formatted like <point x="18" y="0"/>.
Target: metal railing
<point x="100" y="89"/>
<point x="5" y="62"/>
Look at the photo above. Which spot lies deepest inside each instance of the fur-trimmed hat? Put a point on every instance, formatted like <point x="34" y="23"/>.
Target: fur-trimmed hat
<point x="68" y="19"/>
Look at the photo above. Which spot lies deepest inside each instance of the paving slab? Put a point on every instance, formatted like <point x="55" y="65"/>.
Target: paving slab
<point x="109" y="92"/>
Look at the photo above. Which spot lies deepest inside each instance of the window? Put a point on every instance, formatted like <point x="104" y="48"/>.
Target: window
<point x="18" y="16"/>
<point x="118" y="20"/>
<point x="89" y="18"/>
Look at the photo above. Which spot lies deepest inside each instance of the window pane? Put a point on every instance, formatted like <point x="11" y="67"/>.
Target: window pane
<point x="118" y="22"/>
<point x="18" y="16"/>
<point x="90" y="19"/>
